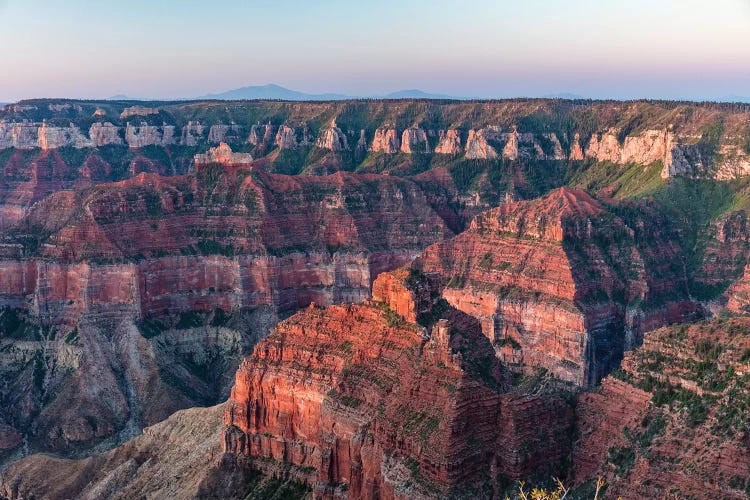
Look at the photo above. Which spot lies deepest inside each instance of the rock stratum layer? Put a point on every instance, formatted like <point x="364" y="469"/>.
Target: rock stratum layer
<point x="563" y="282"/>
<point x="361" y="402"/>
<point x="673" y="422"/>
<point x="146" y="249"/>
<point x="125" y="302"/>
<point x="687" y="139"/>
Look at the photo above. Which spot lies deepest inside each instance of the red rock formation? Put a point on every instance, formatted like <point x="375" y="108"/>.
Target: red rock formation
<point x="357" y="400"/>
<point x="223" y="155"/>
<point x="449" y="142"/>
<point x="674" y="423"/>
<point x="385" y="141"/>
<point x="414" y="140"/>
<point x="550" y="281"/>
<point x="114" y="257"/>
<point x="477" y="146"/>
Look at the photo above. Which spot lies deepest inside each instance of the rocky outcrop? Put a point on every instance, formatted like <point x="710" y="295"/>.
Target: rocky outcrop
<point x="390" y="410"/>
<point x="648" y="147"/>
<point x="333" y="139"/>
<point x="510" y="151"/>
<point x="223" y="155"/>
<point x="386" y="140"/>
<point x="673" y="422"/>
<point x="149" y="135"/>
<point x="414" y="140"/>
<point x="576" y="153"/>
<point x="449" y="142"/>
<point x="604" y="147"/>
<point x="102" y="134"/>
<point x="138" y="111"/>
<point x="551" y="280"/>
<point x="645" y="148"/>
<point x="192" y="133"/>
<point x="58" y="137"/>
<point x="19" y="135"/>
<point x="286" y="138"/>
<point x="224" y="133"/>
<point x="477" y="146"/>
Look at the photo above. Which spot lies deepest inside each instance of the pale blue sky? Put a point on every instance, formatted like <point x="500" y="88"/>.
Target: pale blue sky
<point x="604" y="48"/>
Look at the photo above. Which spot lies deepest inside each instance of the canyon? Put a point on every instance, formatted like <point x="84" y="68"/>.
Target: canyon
<point x="405" y="299"/>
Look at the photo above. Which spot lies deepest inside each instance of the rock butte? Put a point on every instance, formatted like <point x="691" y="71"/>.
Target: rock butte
<point x="392" y="410"/>
<point x="223" y="155"/>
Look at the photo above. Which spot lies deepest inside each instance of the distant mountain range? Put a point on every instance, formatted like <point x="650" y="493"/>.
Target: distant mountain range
<point x="272" y="91"/>
<point x="277" y="92"/>
<point x="564" y="95"/>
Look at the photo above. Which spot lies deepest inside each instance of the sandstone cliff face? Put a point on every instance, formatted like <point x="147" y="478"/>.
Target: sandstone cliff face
<point x="576" y="153"/>
<point x="477" y="146"/>
<point x="57" y="137"/>
<point x="414" y="140"/>
<point x="674" y="422"/>
<point x="286" y="138"/>
<point x="449" y="142"/>
<point x="223" y="155"/>
<point x="102" y="134"/>
<point x="645" y="148"/>
<point x="510" y="151"/>
<point x="333" y="139"/>
<point x="391" y="410"/>
<point x="19" y="135"/>
<point x="148" y="135"/>
<point x="386" y="140"/>
<point x="120" y="258"/>
<point x="690" y="139"/>
<point x="551" y="280"/>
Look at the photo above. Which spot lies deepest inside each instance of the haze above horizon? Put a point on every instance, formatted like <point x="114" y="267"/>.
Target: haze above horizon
<point x="676" y="49"/>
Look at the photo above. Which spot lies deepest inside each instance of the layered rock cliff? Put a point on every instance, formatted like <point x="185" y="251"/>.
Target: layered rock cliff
<point x="673" y="422"/>
<point x="563" y="282"/>
<point x="357" y="401"/>
<point x="134" y="299"/>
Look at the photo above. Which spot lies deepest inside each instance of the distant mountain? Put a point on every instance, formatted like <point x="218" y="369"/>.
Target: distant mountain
<point x="122" y="97"/>
<point x="272" y="91"/>
<point x="416" y="94"/>
<point x="564" y="95"/>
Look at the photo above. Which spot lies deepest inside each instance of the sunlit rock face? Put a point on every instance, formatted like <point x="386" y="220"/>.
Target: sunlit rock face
<point x="449" y="142"/>
<point x="389" y="402"/>
<point x="143" y="295"/>
<point x="386" y="141"/>
<point x="223" y="155"/>
<point x="550" y="281"/>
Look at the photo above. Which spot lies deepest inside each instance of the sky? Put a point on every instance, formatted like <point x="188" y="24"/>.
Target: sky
<point x="622" y="49"/>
